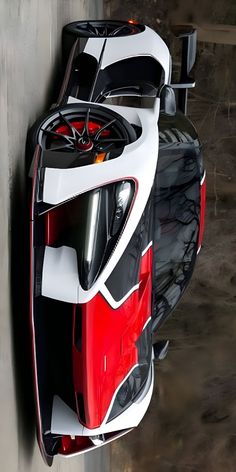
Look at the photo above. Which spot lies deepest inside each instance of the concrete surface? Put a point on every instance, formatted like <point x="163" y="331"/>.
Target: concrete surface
<point x="30" y="32"/>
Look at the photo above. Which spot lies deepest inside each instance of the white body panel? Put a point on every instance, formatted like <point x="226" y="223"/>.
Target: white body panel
<point x="147" y="43"/>
<point x="60" y="271"/>
<point x="138" y="162"/>
<point x="109" y="298"/>
<point x="65" y="421"/>
<point x="94" y="47"/>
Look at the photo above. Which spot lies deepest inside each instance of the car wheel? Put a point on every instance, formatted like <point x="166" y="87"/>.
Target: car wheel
<point x="96" y="29"/>
<point x="103" y="28"/>
<point x="86" y="127"/>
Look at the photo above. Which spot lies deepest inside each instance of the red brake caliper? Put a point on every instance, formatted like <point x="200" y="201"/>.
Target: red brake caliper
<point x="93" y="127"/>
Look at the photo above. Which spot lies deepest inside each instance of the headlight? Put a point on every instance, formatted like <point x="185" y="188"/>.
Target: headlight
<point x="135" y="384"/>
<point x="104" y="212"/>
<point x="123" y="193"/>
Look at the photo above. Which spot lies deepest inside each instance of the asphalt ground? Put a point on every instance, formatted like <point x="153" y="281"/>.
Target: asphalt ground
<point x="30" y="48"/>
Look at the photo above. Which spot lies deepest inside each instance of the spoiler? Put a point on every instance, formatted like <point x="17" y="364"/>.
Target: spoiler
<point x="188" y="35"/>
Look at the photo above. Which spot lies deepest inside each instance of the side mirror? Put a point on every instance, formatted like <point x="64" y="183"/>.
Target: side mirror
<point x="167" y="100"/>
<point x="160" y="350"/>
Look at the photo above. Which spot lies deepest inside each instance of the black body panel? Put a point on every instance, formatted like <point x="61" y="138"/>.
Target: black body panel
<point x="125" y="275"/>
<point x="82" y="76"/>
<point x="53" y="324"/>
<point x="143" y="72"/>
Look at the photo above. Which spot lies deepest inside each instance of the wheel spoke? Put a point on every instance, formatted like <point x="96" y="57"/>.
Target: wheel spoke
<point x="117" y="30"/>
<point x="97" y="31"/>
<point x="85" y="33"/>
<point x="106" y="148"/>
<point x="66" y="146"/>
<point x="102" y="129"/>
<point x="85" y="131"/>
<point x="59" y="135"/>
<point x="91" y="33"/>
<point x="92" y="29"/>
<point x="74" y="131"/>
<point x="111" y="140"/>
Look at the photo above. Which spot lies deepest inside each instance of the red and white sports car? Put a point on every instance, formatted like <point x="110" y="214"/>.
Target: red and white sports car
<point x="116" y="222"/>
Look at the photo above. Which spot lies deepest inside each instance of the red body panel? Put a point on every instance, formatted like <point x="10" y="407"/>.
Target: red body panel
<point x="60" y="219"/>
<point x="108" y="350"/>
<point x="202" y="212"/>
<point x="70" y="446"/>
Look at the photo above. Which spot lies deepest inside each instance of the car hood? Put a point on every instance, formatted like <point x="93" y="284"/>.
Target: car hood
<point x="105" y="346"/>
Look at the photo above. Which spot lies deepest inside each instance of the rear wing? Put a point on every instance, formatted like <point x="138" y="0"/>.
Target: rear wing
<point x="188" y="35"/>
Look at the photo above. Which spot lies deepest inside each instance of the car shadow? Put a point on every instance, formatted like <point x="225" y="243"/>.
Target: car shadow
<point x="19" y="279"/>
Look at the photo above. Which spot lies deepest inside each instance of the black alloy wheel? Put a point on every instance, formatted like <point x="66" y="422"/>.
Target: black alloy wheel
<point x="85" y="129"/>
<point x="103" y="28"/>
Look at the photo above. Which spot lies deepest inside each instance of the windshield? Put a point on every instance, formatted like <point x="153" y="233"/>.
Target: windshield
<point x="176" y="219"/>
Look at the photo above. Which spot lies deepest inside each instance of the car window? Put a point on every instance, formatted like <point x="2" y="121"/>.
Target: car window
<point x="176" y="220"/>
